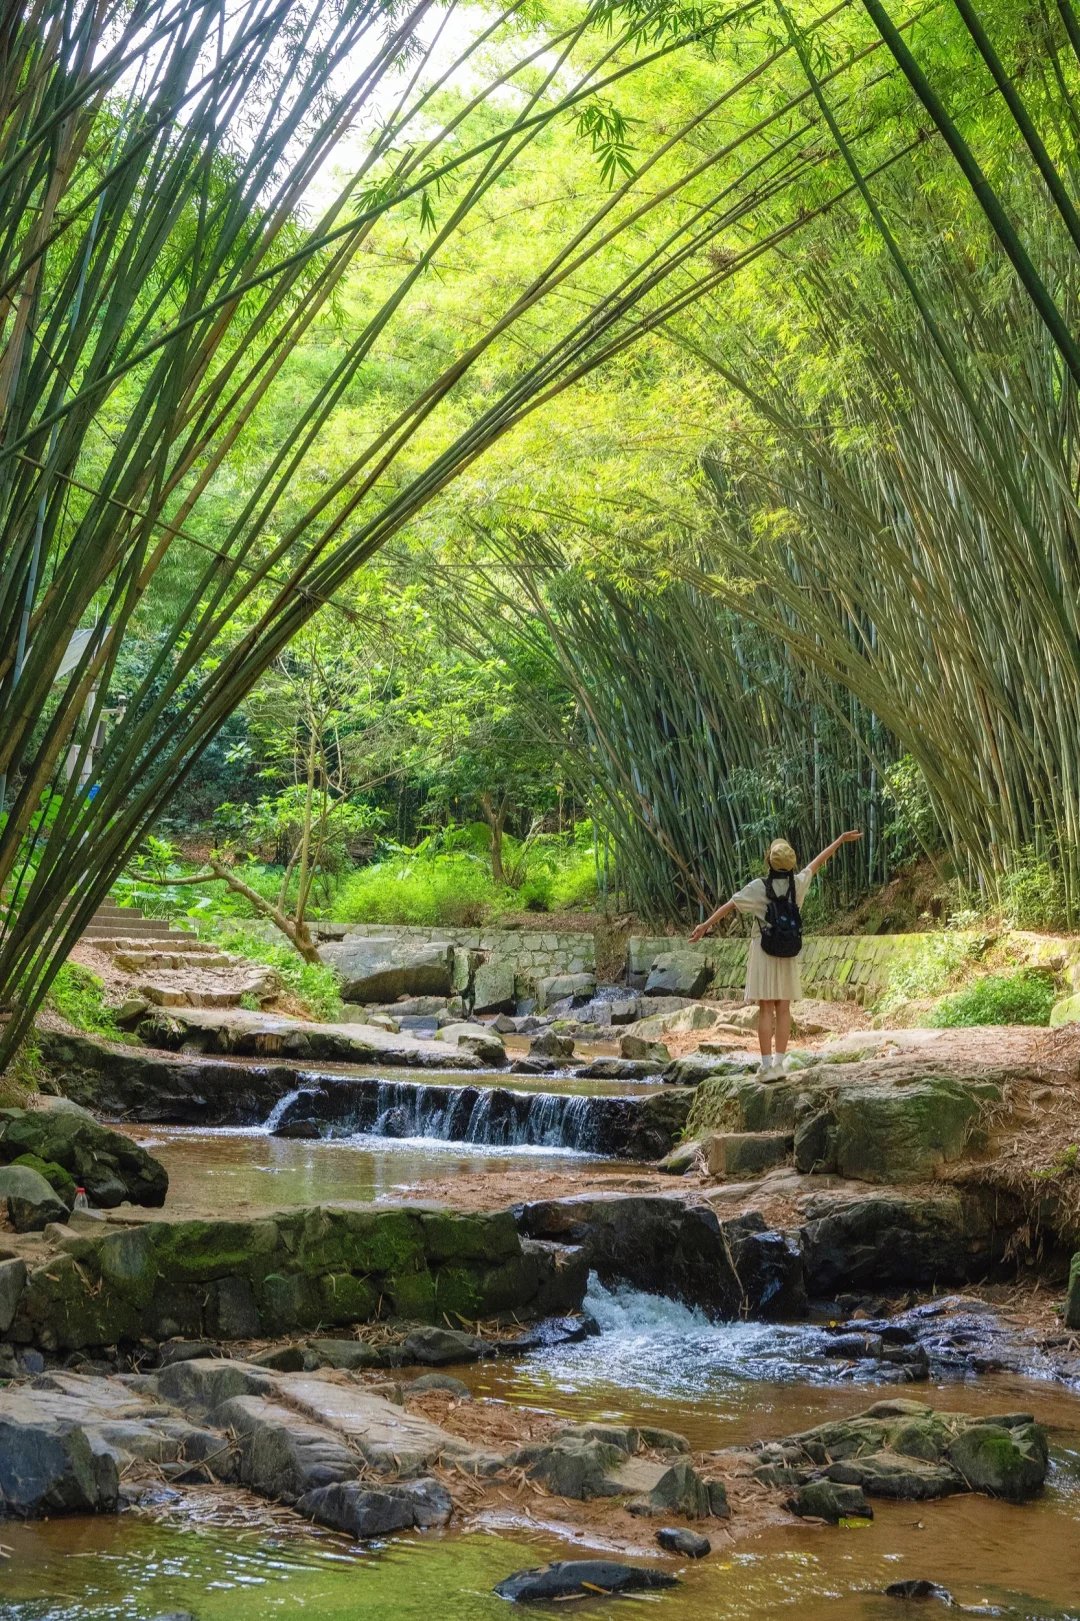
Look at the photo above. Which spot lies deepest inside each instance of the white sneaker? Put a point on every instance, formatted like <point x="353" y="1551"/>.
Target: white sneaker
<point x="779" y="1063"/>
<point x="766" y="1064"/>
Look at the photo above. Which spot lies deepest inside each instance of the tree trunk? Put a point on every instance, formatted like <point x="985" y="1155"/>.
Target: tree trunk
<point x="496" y="820"/>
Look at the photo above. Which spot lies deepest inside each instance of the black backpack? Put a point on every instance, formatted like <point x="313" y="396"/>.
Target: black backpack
<point x="781" y="932"/>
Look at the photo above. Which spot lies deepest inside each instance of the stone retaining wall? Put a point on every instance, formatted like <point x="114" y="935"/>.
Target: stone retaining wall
<point x="835" y="968"/>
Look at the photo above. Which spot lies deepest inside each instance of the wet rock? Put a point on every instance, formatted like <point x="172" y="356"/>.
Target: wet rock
<point x="52" y="1468"/>
<point x="438" y="1346"/>
<point x="769" y="1268"/>
<point x="655" y="1243"/>
<point x="1071" y="1316"/>
<point x="695" y="1069"/>
<point x="348" y="1354"/>
<point x="475" y="1038"/>
<point x="1003" y="1462"/>
<point x="365" y="1511"/>
<point x="439" y="1381"/>
<point x="12" y="1283"/>
<point x="549" y="1044"/>
<point x="31" y="1202"/>
<point x="581" y="1578"/>
<point x="899" y="1239"/>
<point x="919" y="1588"/>
<point x="828" y="1500"/>
<point x="677" y="973"/>
<point x="677" y="1539"/>
<point x="534" y="1066"/>
<point x="109" y="1165"/>
<point x="283" y="1456"/>
<point x="907" y="1479"/>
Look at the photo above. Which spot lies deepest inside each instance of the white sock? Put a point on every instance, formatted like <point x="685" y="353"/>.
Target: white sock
<point x="766" y="1063"/>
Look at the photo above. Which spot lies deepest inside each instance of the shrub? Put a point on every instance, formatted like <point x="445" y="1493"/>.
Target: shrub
<point x="1033" y="893"/>
<point x="1024" y="998"/>
<point x="928" y="971"/>
<point x="313" y="983"/>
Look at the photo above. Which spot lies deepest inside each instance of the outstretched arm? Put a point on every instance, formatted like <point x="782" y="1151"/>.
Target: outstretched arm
<point x="831" y="849"/>
<point x="703" y="928"/>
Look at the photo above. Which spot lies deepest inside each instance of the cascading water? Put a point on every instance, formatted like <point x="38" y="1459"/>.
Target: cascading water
<point x="491" y="1116"/>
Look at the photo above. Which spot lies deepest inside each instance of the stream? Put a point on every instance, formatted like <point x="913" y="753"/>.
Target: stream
<point x="653" y="1362"/>
<point x="227" y="1557"/>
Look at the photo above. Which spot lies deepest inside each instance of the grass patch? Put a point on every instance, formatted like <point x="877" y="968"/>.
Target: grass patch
<point x="937" y="959"/>
<point x="1024" y="998"/>
<point x="79" y="997"/>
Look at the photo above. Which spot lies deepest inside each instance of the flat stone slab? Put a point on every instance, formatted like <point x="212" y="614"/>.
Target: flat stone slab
<point x="266" y="1035"/>
<point x="387" y="1437"/>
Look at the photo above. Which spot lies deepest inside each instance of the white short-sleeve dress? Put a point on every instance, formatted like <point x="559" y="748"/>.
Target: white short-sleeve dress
<point x="770" y="979"/>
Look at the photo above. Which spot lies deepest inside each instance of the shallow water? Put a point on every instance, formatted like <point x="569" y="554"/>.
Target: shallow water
<point x="720" y="1384"/>
<point x="226" y="1168"/>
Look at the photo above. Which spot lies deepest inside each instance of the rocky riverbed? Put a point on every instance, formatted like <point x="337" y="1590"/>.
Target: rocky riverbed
<point x="876" y="1224"/>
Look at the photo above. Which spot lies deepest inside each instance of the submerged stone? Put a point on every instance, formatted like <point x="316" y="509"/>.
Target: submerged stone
<point x="374" y="1511"/>
<point x="919" y="1588"/>
<point x="581" y="1578"/>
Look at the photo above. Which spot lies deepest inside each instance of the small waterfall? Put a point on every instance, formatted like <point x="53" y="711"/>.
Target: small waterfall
<point x="283" y="1104"/>
<point x="489" y="1116"/>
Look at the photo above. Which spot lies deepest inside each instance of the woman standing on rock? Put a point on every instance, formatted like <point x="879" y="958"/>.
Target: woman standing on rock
<point x="772" y="973"/>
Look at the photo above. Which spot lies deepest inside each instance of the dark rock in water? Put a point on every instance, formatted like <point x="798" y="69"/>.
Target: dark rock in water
<point x="908" y="1479"/>
<point x="437" y="1346"/>
<point x="828" y="1500"/>
<point x="534" y="1066"/>
<point x="552" y="1331"/>
<point x="301" y="1129"/>
<point x="394" y="1123"/>
<point x="109" y="1165"/>
<point x="374" y="1511"/>
<point x="440" y="1381"/>
<point x="769" y="1268"/>
<point x="580" y="1577"/>
<point x="677" y="1539"/>
<point x="173" y="1615"/>
<point x="573" y="1466"/>
<point x="920" y="1588"/>
<point x="52" y="1468"/>
<point x="651" y="1242"/>
<point x="31" y="1202"/>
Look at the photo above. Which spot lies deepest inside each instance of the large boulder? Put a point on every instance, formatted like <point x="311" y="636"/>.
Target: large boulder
<point x="108" y="1164"/>
<point x="655" y="1243"/>
<point x="12" y="1283"/>
<point x="578" y="988"/>
<point x="827" y="1500"/>
<point x="1004" y="1458"/>
<point x="678" y="973"/>
<point x="31" y="1202"/>
<point x="381" y="970"/>
<point x="892" y="1238"/>
<point x="494" y="986"/>
<point x="52" y="1468"/>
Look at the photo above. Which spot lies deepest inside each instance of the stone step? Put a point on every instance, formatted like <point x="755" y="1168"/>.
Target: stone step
<point x="747" y="1153"/>
<point x="149" y="961"/>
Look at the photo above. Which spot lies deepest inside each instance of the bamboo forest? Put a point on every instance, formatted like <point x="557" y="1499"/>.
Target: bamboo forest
<point x="539" y="809"/>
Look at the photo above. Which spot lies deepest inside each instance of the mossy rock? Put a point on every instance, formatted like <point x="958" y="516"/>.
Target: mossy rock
<point x="1004" y="1462"/>
<point x="62" y="1183"/>
<point x="903" y="1133"/>
<point x="63" y="1308"/>
<point x="489" y="1237"/>
<point x="110" y="1166"/>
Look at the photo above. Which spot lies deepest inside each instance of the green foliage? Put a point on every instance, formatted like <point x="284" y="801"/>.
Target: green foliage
<point x="79" y="997"/>
<point x="935" y="961"/>
<point x="1024" y="998"/>
<point x="1033" y="893"/>
<point x="313" y="983"/>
